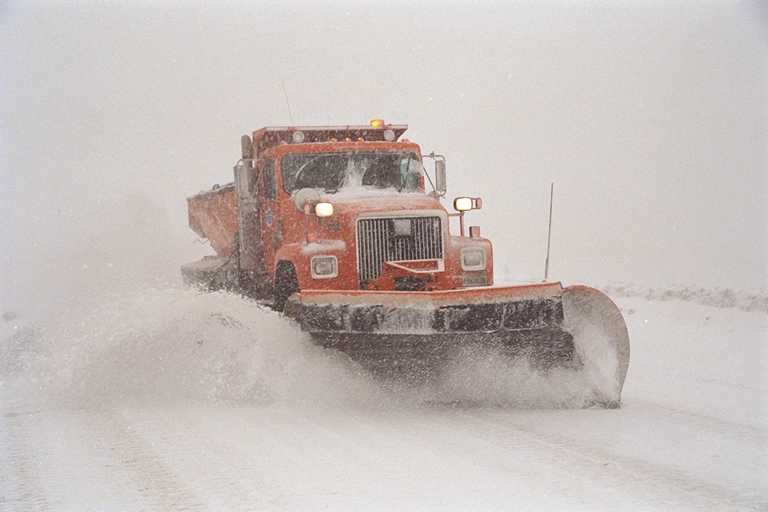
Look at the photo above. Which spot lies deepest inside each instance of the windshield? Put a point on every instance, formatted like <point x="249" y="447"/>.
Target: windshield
<point x="334" y="171"/>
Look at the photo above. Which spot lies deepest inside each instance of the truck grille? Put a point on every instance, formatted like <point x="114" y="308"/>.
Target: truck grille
<point x="396" y="239"/>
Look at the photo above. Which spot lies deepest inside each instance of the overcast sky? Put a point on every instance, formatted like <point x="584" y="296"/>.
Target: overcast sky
<point x="649" y="116"/>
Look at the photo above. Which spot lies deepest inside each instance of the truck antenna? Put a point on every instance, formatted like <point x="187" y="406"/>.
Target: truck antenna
<point x="287" y="103"/>
<point x="549" y="230"/>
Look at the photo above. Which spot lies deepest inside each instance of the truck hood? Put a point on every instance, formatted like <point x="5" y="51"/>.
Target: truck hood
<point x="347" y="203"/>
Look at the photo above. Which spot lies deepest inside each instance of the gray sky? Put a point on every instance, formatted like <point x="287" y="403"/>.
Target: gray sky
<point x="649" y="116"/>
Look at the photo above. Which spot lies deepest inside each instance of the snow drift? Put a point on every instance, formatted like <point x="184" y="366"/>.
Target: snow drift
<point x="173" y="344"/>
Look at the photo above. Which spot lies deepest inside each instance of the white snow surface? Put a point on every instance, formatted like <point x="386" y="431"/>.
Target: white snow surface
<point x="321" y="246"/>
<point x="167" y="399"/>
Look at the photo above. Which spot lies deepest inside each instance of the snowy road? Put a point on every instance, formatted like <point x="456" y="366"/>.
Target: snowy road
<point x="310" y="434"/>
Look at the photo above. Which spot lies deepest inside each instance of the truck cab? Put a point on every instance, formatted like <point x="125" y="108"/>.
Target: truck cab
<point x="340" y="208"/>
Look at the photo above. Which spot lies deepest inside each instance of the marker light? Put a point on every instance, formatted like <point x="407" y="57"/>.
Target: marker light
<point x="323" y="209"/>
<point x="389" y="135"/>
<point x="462" y="204"/>
<point x="324" y="267"/>
<point x="377" y="123"/>
<point x="298" y="136"/>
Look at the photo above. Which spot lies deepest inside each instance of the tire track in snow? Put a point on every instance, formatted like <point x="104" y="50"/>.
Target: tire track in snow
<point x="139" y="464"/>
<point x="434" y="438"/>
<point x="703" y="495"/>
<point x="721" y="426"/>
<point x="402" y="457"/>
<point x="21" y="487"/>
<point x="516" y="464"/>
<point x="213" y="457"/>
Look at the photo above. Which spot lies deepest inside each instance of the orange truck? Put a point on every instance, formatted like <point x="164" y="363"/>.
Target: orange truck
<point x="343" y="230"/>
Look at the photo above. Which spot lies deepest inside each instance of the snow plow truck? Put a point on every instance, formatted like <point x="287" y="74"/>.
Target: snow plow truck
<point x="342" y="229"/>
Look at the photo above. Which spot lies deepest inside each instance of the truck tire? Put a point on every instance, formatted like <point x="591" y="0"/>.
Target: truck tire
<point x="286" y="284"/>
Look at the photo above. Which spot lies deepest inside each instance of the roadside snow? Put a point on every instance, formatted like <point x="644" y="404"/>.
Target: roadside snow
<point x="747" y="300"/>
<point x="170" y="400"/>
<point x="703" y="359"/>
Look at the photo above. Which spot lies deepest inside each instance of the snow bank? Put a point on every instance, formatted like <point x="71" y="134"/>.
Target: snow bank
<point x="180" y="345"/>
<point x="709" y="360"/>
<point x="746" y="300"/>
<point x="170" y="344"/>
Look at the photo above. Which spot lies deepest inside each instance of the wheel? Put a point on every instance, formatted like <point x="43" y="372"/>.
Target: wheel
<point x="286" y="284"/>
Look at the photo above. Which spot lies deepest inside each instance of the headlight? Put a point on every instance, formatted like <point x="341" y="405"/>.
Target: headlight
<point x="324" y="267"/>
<point x="462" y="204"/>
<point x="323" y="209"/>
<point x="473" y="258"/>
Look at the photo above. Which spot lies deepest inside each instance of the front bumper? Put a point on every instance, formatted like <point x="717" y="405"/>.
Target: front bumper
<point x="517" y="320"/>
<point x="481" y="310"/>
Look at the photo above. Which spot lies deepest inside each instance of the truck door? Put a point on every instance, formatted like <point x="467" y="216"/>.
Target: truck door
<point x="270" y="227"/>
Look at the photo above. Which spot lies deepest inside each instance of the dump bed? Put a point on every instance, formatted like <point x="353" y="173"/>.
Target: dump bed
<point x="213" y="215"/>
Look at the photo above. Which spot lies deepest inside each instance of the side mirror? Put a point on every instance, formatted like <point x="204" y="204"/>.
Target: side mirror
<point x="242" y="179"/>
<point x="246" y="147"/>
<point x="440" y="181"/>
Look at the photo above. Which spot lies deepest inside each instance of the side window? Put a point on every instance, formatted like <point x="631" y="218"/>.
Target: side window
<point x="269" y="178"/>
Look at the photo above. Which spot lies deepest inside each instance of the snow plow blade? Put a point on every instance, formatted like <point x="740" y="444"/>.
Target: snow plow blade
<point x="550" y="325"/>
